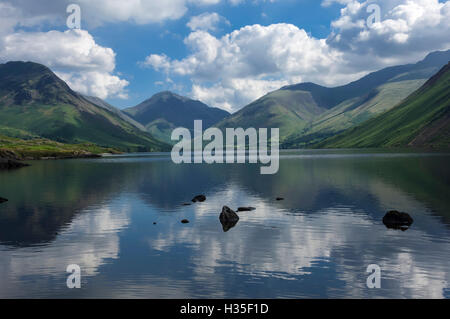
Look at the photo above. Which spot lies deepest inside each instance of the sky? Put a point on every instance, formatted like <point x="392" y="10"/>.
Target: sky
<point x="225" y="53"/>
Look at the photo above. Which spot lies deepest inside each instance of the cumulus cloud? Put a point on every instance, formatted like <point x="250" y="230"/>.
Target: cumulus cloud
<point x="408" y="29"/>
<point x="73" y="54"/>
<point x="99" y="12"/>
<point x="206" y="21"/>
<point x="240" y="66"/>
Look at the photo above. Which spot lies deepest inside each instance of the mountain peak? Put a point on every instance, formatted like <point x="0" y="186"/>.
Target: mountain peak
<point x="166" y="95"/>
<point x="27" y="82"/>
<point x="24" y="66"/>
<point x="439" y="57"/>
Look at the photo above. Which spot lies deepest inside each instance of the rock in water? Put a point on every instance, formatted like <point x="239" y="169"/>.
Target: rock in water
<point x="279" y="198"/>
<point x="185" y="221"/>
<point x="245" y="209"/>
<point x="199" y="198"/>
<point x="6" y="163"/>
<point x="397" y="220"/>
<point x="2" y="200"/>
<point x="228" y="218"/>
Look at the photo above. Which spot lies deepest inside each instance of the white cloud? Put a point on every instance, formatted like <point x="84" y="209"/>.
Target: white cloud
<point x="99" y="12"/>
<point x="73" y="54"/>
<point x="408" y="28"/>
<point x="206" y="21"/>
<point x="247" y="63"/>
<point x="237" y="68"/>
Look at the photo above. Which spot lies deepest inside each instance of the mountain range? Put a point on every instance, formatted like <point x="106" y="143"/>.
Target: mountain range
<point x="308" y="113"/>
<point x="396" y="106"/>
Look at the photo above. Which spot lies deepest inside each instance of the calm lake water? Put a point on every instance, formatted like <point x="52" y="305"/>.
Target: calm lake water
<point x="318" y="242"/>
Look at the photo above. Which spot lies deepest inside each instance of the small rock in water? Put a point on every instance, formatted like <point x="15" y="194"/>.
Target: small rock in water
<point x="245" y="209"/>
<point x="199" y="198"/>
<point x="397" y="220"/>
<point x="186" y="204"/>
<point x="279" y="198"/>
<point x="154" y="223"/>
<point x="185" y="221"/>
<point x="2" y="200"/>
<point x="228" y="218"/>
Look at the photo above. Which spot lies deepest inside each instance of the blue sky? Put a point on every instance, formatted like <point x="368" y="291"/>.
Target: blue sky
<point x="225" y="53"/>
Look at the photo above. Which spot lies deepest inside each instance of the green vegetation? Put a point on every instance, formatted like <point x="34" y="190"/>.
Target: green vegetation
<point x="422" y="120"/>
<point x="353" y="112"/>
<point x="288" y="110"/>
<point x="37" y="148"/>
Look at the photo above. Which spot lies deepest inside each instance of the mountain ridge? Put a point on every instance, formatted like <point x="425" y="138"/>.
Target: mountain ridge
<point x="421" y="120"/>
<point x="328" y="111"/>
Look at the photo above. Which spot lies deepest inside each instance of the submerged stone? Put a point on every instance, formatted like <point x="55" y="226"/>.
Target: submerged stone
<point x="245" y="209"/>
<point x="199" y="198"/>
<point x="397" y="220"/>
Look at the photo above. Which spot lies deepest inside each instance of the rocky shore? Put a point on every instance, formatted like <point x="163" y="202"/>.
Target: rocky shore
<point x="10" y="160"/>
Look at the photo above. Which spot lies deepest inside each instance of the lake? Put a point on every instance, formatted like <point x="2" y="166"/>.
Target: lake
<point x="316" y="243"/>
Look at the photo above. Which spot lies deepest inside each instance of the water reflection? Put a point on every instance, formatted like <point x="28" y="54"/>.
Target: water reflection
<point x="100" y="214"/>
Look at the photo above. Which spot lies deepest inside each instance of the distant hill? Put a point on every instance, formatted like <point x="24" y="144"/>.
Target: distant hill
<point x="422" y="120"/>
<point x="33" y="100"/>
<point x="307" y="113"/>
<point x="166" y="111"/>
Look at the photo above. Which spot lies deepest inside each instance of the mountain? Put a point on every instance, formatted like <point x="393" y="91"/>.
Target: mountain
<point x="166" y="110"/>
<point x="307" y="113"/>
<point x="421" y="120"/>
<point x="289" y="110"/>
<point x="99" y="102"/>
<point x="33" y="100"/>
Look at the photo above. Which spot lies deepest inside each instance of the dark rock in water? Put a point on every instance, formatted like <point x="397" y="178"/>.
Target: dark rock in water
<point x="199" y="198"/>
<point x="185" y="221"/>
<point x="228" y="218"/>
<point x="6" y="163"/>
<point x="186" y="204"/>
<point x="279" y="198"/>
<point x="397" y="220"/>
<point x="154" y="223"/>
<point x="2" y="200"/>
<point x="245" y="209"/>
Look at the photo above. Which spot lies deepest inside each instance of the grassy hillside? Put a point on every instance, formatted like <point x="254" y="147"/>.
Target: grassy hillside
<point x="288" y="110"/>
<point x="35" y="101"/>
<point x="353" y="112"/>
<point x="37" y="148"/>
<point x="422" y="120"/>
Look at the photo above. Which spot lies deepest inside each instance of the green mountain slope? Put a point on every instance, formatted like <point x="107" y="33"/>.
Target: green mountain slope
<point x="422" y="120"/>
<point x="307" y="113"/>
<point x="34" y="100"/>
<point x="99" y="102"/>
<point x="166" y="111"/>
<point x="290" y="111"/>
<point x="353" y="112"/>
